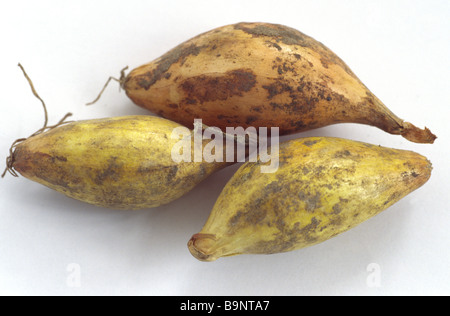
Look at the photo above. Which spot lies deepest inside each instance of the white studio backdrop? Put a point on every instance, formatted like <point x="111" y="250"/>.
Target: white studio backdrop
<point x="53" y="245"/>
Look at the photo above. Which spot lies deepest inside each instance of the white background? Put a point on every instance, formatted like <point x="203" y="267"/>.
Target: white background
<point x="399" y="49"/>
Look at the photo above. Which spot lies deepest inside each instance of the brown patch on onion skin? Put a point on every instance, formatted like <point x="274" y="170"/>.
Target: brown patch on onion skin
<point x="176" y="55"/>
<point x="206" y="88"/>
